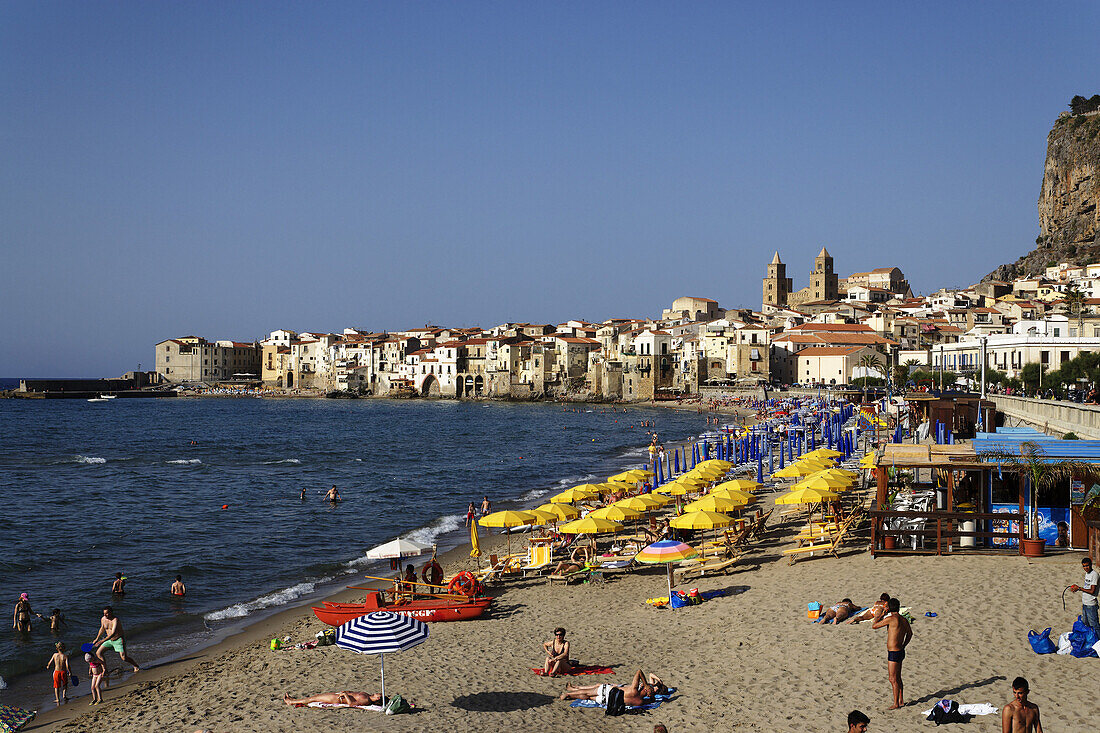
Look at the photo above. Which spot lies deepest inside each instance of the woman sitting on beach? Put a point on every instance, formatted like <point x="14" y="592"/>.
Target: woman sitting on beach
<point x="557" y="655"/>
<point x="353" y="699"/>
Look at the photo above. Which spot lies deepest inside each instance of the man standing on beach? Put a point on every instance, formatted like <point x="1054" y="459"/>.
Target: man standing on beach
<point x="486" y="507"/>
<point x="1020" y="716"/>
<point x="1088" y="594"/>
<point x="898" y="635"/>
<point x="110" y="628"/>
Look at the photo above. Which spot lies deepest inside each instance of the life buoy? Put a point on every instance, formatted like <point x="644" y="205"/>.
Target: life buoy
<point x="463" y="584"/>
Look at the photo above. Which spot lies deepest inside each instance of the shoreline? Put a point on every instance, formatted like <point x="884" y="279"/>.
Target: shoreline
<point x="748" y="659"/>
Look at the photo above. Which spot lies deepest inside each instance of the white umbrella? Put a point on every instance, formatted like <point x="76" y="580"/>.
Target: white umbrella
<point x="401" y="547"/>
<point x="381" y="632"/>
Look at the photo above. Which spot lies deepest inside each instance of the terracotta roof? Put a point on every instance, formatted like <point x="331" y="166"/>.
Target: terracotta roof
<point x="829" y="350"/>
<point x="832" y="327"/>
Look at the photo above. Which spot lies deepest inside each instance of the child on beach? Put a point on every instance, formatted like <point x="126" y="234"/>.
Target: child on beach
<point x="96" y="671"/>
<point x="60" y="663"/>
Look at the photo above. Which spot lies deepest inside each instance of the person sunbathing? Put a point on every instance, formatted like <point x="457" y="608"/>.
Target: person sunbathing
<point x="874" y="613"/>
<point x="638" y="692"/>
<point x="838" y="612"/>
<point x="354" y="699"/>
<point x="575" y="562"/>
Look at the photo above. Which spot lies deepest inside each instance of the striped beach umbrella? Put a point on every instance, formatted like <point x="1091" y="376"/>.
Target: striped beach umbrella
<point x="666" y="552"/>
<point x="381" y="633"/>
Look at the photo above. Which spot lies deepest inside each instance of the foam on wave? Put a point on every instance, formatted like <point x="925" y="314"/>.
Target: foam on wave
<point x="89" y="459"/>
<point x="185" y="461"/>
<point x="278" y="598"/>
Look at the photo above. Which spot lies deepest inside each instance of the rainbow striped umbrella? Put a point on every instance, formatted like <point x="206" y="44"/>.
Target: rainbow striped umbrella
<point x="666" y="552"/>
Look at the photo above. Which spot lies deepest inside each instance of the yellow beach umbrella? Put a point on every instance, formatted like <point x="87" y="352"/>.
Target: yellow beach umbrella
<point x="563" y="512"/>
<point x="806" y="496"/>
<point x="632" y="476"/>
<point x="843" y="472"/>
<point x="507" y="518"/>
<point x="677" y="488"/>
<point x="825" y="483"/>
<point x="868" y="461"/>
<point x="709" y="472"/>
<point x="643" y="502"/>
<point x="571" y="496"/>
<point x="740" y="484"/>
<point x="742" y="496"/>
<point x="817" y="462"/>
<point x="615" y="513"/>
<point x="795" y="470"/>
<point x="717" y="462"/>
<point x="543" y="516"/>
<point x="590" y="525"/>
<point x="715" y="503"/>
<point x="827" y="452"/>
<point x="701" y="519"/>
<point x="592" y="488"/>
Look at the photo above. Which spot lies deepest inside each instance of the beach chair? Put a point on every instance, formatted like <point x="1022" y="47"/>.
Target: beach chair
<point x="538" y="559"/>
<point x="759" y="527"/>
<point x="825" y="545"/>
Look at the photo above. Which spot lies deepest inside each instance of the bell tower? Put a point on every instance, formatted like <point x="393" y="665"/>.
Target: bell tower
<point x="824" y="284"/>
<point x="777" y="286"/>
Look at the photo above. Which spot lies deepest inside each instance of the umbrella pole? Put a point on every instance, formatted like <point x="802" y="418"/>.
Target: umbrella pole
<point x="669" y="566"/>
<point x="382" y="657"/>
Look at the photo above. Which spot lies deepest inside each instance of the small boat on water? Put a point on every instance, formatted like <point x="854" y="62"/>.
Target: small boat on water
<point x="432" y="608"/>
<point x="97" y="399"/>
<point x="108" y="396"/>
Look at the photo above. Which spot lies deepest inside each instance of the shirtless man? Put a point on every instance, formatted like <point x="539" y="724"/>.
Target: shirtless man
<point x="838" y="612"/>
<point x="874" y="613"/>
<point x="1020" y="716"/>
<point x="118" y="587"/>
<point x="21" y="621"/>
<point x="110" y="628"/>
<point x="336" y="698"/>
<point x="486" y="506"/>
<point x="332" y="495"/>
<point x="557" y="655"/>
<point x="898" y="635"/>
<point x="638" y="692"/>
<point x="178" y="588"/>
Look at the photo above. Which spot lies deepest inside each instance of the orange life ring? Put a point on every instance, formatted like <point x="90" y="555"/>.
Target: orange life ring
<point x="463" y="584"/>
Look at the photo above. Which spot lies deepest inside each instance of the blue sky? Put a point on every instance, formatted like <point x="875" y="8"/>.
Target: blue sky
<point x="226" y="169"/>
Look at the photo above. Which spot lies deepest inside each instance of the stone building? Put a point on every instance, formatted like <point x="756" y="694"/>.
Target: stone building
<point x="777" y="286"/>
<point x="194" y="359"/>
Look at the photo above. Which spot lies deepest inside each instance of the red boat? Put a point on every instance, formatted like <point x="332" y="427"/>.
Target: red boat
<point x="425" y="609"/>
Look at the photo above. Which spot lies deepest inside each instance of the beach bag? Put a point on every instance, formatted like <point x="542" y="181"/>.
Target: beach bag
<point x="1083" y="637"/>
<point x="1064" y="647"/>
<point x="397" y="704"/>
<point x="276" y="644"/>
<point x="615" y="703"/>
<point x="73" y="680"/>
<point x="1040" y="642"/>
<point x="947" y="711"/>
<point x="676" y="600"/>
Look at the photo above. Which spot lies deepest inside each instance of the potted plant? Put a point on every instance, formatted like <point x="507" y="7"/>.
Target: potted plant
<point x="1039" y="472"/>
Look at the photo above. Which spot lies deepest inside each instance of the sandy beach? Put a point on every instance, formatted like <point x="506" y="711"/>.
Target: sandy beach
<point x="749" y="660"/>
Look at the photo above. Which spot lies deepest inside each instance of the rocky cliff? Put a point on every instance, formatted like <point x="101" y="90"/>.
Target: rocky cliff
<point x="1069" y="215"/>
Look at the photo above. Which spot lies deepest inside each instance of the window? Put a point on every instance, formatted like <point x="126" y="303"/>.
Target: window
<point x="1065" y="357"/>
<point x="1044" y="357"/>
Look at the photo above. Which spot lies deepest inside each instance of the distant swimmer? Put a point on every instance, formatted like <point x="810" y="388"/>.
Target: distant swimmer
<point x="302" y="495"/>
<point x="178" y="588"/>
<point x="118" y="587"/>
<point x="332" y="495"/>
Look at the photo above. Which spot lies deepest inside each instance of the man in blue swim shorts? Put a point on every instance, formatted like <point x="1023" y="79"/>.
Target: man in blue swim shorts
<point x="898" y="635"/>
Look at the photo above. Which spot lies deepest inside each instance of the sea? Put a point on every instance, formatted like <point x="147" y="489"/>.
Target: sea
<point x="209" y="489"/>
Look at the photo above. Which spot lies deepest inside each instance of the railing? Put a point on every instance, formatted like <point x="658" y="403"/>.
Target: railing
<point x="941" y="526"/>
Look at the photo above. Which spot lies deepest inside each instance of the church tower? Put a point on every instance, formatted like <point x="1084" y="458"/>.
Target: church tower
<point x="823" y="281"/>
<point x="777" y="286"/>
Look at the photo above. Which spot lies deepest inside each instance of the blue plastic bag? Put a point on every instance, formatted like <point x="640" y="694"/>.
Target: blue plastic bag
<point x="1041" y="643"/>
<point x="676" y="600"/>
<point x="1082" y="638"/>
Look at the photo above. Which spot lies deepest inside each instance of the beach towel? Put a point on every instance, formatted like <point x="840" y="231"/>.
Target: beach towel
<point x="979" y="708"/>
<point x="372" y="708"/>
<point x="579" y="669"/>
<point x="629" y="708"/>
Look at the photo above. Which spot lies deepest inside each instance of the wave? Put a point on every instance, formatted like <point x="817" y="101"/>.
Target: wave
<point x="185" y="461"/>
<point x="89" y="459"/>
<point x="443" y="525"/>
<point x="278" y="598"/>
<point x="284" y="460"/>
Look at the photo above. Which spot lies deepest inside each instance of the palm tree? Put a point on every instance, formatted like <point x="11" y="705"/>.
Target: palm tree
<point x="869" y="362"/>
<point x="1075" y="304"/>
<point x="1040" y="472"/>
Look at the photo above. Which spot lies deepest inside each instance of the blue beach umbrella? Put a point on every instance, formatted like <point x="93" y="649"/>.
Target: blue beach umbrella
<point x="381" y="632"/>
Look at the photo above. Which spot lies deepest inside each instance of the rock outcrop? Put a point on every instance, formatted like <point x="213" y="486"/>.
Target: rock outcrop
<point x="1069" y="215"/>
